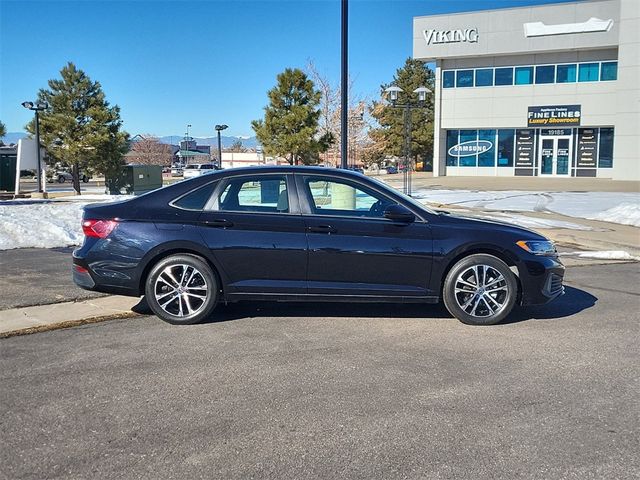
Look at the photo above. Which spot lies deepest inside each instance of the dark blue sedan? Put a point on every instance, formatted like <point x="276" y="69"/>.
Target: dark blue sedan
<point x="307" y="234"/>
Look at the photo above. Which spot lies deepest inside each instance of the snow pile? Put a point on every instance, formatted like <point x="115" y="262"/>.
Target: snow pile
<point x="46" y="223"/>
<point x="624" y="213"/>
<point x="616" y="207"/>
<point x="602" y="255"/>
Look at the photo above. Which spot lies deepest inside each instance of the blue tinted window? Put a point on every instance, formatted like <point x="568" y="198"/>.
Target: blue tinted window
<point x="588" y="72"/>
<point x="605" y="150"/>
<point x="504" y="76"/>
<point x="505" y="148"/>
<point x="448" y="79"/>
<point x="468" y="136"/>
<point x="452" y="139"/>
<point x="609" y="71"/>
<point x="484" y="77"/>
<point x="524" y="75"/>
<point x="488" y="158"/>
<point x="545" y="74"/>
<point x="566" y="73"/>
<point x="464" y="78"/>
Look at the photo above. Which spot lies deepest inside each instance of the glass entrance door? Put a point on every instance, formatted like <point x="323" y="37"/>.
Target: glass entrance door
<point x="555" y="155"/>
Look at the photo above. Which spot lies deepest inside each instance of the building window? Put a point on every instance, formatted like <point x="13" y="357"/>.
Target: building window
<point x="566" y="73"/>
<point x="524" y="75"/>
<point x="588" y="72"/>
<point x="609" y="71"/>
<point x="505" y="148"/>
<point x="487" y="158"/>
<point x="452" y="139"/>
<point x="464" y="78"/>
<point x="448" y="79"/>
<point x="504" y="76"/>
<point x="484" y="77"/>
<point x="545" y="74"/>
<point x="468" y="136"/>
<point x="605" y="150"/>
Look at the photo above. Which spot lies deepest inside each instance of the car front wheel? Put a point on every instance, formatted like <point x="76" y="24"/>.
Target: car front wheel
<point x="61" y="179"/>
<point x="480" y="290"/>
<point x="181" y="289"/>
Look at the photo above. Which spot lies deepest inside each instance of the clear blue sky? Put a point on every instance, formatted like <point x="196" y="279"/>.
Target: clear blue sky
<point x="169" y="63"/>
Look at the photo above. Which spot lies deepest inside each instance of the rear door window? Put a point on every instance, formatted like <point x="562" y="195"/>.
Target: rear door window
<point x="259" y="194"/>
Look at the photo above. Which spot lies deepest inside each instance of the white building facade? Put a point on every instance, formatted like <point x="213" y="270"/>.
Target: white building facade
<point x="549" y="91"/>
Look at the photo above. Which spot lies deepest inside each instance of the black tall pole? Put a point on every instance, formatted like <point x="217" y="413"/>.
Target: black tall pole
<point x="344" y="86"/>
<point x="219" y="151"/>
<point x="38" y="170"/>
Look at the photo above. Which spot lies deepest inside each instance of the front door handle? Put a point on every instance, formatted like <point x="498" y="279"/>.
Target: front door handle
<point x="218" y="223"/>
<point x="322" y="229"/>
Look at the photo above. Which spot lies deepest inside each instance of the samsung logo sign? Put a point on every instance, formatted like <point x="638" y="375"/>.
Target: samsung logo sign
<point x="468" y="35"/>
<point x="472" y="147"/>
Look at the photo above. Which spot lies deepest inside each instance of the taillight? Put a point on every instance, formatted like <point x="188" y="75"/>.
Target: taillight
<point x="98" y="228"/>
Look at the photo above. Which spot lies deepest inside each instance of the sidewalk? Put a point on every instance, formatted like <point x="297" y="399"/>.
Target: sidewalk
<point x="21" y="321"/>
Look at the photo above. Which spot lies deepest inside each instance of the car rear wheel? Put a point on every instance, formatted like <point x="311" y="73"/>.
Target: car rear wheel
<point x="480" y="290"/>
<point x="181" y="289"/>
<point x="85" y="179"/>
<point x="61" y="179"/>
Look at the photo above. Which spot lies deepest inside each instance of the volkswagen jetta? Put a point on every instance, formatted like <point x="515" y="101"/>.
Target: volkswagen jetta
<point x="307" y="234"/>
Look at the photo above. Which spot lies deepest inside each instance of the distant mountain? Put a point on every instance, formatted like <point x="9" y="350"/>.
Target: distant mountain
<point x="250" y="142"/>
<point x="13" y="137"/>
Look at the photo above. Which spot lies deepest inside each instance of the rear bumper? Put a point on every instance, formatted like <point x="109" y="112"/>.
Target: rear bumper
<point x="541" y="280"/>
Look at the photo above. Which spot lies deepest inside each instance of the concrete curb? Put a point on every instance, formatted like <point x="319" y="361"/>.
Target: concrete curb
<point x="22" y="321"/>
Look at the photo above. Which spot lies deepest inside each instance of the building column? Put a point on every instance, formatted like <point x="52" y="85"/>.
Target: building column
<point x="439" y="157"/>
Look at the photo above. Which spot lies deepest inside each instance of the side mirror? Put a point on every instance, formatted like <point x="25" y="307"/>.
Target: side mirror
<point x="398" y="213"/>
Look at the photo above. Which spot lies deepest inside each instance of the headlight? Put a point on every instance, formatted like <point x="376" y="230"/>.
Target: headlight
<point x="538" y="247"/>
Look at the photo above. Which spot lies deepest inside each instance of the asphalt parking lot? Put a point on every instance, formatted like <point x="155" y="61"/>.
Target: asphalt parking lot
<point x="326" y="391"/>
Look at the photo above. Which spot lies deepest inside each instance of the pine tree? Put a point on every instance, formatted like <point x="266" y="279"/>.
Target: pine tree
<point x="390" y="137"/>
<point x="80" y="128"/>
<point x="3" y="132"/>
<point x="290" y="125"/>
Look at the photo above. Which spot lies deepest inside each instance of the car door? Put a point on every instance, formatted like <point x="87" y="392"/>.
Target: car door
<point x="354" y="249"/>
<point x="253" y="227"/>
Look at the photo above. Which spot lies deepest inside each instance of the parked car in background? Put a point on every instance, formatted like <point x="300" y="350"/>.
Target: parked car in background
<point x="62" y="176"/>
<point x="197" y="169"/>
<point x="391" y="169"/>
<point x="356" y="169"/>
<point x="177" y="171"/>
<point x="307" y="234"/>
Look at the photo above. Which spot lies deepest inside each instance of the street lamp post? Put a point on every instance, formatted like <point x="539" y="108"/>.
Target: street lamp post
<point x="37" y="107"/>
<point x="392" y="93"/>
<point x="219" y="128"/>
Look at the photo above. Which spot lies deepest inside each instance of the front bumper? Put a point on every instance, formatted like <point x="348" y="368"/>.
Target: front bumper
<point x="541" y="280"/>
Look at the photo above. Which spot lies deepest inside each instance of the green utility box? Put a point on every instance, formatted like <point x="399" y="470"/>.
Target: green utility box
<point x="139" y="179"/>
<point x="7" y="173"/>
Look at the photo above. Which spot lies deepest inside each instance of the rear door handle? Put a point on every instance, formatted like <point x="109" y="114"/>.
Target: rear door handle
<point x="322" y="229"/>
<point x="218" y="223"/>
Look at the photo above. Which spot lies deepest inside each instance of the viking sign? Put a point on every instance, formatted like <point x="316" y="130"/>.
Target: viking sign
<point x="468" y="35"/>
<point x="472" y="147"/>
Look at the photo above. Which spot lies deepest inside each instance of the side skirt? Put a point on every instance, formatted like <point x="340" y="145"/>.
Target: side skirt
<point x="305" y="297"/>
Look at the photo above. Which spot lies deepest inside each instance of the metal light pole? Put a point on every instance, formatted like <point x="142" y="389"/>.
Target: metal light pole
<point x="219" y="128"/>
<point x="344" y="85"/>
<point x="392" y="92"/>
<point x="37" y="107"/>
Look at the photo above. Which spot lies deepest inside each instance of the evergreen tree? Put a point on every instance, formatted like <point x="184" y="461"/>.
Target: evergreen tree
<point x="3" y="132"/>
<point x="290" y="125"/>
<point x="80" y="128"/>
<point x="390" y="136"/>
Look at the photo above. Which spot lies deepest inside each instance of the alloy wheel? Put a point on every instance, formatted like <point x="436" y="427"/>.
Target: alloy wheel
<point x="481" y="291"/>
<point x="181" y="290"/>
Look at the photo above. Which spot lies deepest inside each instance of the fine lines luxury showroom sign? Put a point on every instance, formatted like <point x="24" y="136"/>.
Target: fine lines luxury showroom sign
<point x="556" y="115"/>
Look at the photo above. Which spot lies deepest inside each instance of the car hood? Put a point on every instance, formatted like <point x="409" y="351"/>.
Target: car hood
<point x="472" y="222"/>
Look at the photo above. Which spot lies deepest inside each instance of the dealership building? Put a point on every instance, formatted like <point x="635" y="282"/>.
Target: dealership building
<point x="550" y="90"/>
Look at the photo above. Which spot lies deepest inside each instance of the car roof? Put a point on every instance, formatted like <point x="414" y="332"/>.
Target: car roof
<point x="306" y="169"/>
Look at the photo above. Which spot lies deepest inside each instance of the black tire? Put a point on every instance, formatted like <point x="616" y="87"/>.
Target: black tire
<point x="61" y="179"/>
<point x="203" y="283"/>
<point x="85" y="179"/>
<point x="475" y="304"/>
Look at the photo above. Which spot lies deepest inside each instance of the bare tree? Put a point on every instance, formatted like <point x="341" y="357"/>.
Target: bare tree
<point x="236" y="147"/>
<point x="149" y="151"/>
<point x="359" y="119"/>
